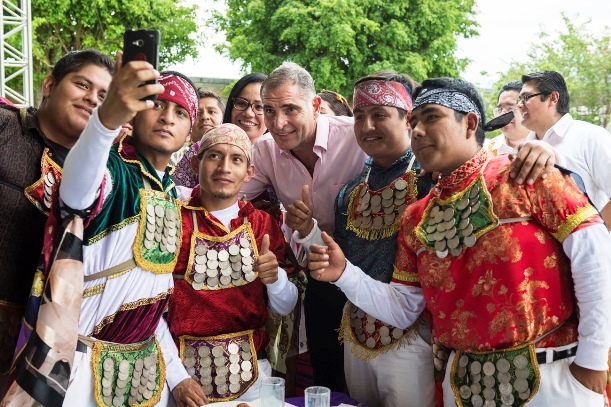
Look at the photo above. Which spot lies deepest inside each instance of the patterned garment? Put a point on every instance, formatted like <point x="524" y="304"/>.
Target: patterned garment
<point x="517" y="271"/>
<point x="359" y="250"/>
<point x="183" y="174"/>
<point x="43" y="370"/>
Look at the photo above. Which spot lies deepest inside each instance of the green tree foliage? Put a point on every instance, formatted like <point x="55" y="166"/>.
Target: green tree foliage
<point x="60" y="26"/>
<point x="583" y="59"/>
<point x="339" y="41"/>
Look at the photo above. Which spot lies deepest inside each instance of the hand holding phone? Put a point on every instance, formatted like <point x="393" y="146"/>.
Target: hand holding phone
<point x="142" y="45"/>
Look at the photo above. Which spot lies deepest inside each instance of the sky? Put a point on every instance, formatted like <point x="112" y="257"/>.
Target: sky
<point x="507" y="29"/>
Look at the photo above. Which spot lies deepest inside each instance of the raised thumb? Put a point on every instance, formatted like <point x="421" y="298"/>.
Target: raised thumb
<point x="305" y="195"/>
<point x="329" y="242"/>
<point x="264" y="244"/>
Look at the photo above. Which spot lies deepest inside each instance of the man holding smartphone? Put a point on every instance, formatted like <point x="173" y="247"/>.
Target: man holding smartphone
<point x="130" y="242"/>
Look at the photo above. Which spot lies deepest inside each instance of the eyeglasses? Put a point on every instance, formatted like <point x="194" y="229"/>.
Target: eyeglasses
<point x="242" y="104"/>
<point x="501" y="110"/>
<point x="525" y="98"/>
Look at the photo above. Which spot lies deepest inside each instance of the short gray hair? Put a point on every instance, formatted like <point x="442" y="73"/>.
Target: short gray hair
<point x="294" y="74"/>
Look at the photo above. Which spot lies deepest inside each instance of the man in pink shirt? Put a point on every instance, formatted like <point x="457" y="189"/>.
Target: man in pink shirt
<point x="319" y="151"/>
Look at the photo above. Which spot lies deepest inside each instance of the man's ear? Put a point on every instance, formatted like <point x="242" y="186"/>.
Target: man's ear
<point x="47" y="85"/>
<point x="472" y="123"/>
<point x="195" y="164"/>
<point x="554" y="97"/>
<point x="249" y="173"/>
<point x="316" y="103"/>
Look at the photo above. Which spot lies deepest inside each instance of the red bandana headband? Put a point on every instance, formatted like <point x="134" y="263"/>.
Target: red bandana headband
<point x="179" y="91"/>
<point x="381" y="93"/>
<point x="226" y="133"/>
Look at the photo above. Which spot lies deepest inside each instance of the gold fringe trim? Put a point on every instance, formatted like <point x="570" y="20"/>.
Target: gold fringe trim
<point x="95" y="290"/>
<point x="28" y="190"/>
<point x="96" y="354"/>
<point x="346" y="334"/>
<point x="130" y="306"/>
<point x="404" y="276"/>
<point x="574" y="220"/>
<point x="113" y="228"/>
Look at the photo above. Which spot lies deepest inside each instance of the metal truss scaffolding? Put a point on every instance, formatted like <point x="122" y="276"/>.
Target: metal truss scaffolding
<point x="16" y="52"/>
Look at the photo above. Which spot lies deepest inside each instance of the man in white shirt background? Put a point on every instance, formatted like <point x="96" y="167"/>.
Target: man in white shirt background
<point x="514" y="133"/>
<point x="586" y="148"/>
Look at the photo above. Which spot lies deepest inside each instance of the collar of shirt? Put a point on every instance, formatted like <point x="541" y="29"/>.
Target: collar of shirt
<point x="559" y="128"/>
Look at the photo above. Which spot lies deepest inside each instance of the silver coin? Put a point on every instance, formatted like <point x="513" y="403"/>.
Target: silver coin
<point x="200" y="268"/>
<point x="434" y="211"/>
<point x="207" y="389"/>
<point x="225" y="280"/>
<point x="448" y="214"/>
<point x="123" y="375"/>
<point x="206" y="361"/>
<point x="237" y="281"/>
<point x="450" y="234"/>
<point x="401" y="194"/>
<point x="233" y="348"/>
<point x="463" y="361"/>
<point x="462" y="371"/>
<point x="521" y="385"/>
<point x="388" y="202"/>
<point x="401" y="184"/>
<point x="108" y="364"/>
<point x="150" y="228"/>
<point x="489" y="381"/>
<point x="507" y="399"/>
<point x="244" y="242"/>
<point x="378" y="221"/>
<point x="234" y="359"/>
<point x="465" y="213"/>
<point x="157" y="237"/>
<point x="477" y="400"/>
<point x="431" y="229"/>
<point x="376" y="200"/>
<point x="522" y="373"/>
<point x="465" y="392"/>
<point x="365" y="198"/>
<point x="503" y="377"/>
<point x="245" y="251"/>
<point x="505" y="388"/>
<point x="203" y="351"/>
<point x="247" y="269"/>
<point x="234" y="387"/>
<point x="147" y="394"/>
<point x="524" y="395"/>
<point x="163" y="247"/>
<point x="370" y="328"/>
<point x="246" y="347"/>
<point x="358" y="221"/>
<point x="148" y="244"/>
<point x="222" y="389"/>
<point x="118" y="401"/>
<point x="475" y="368"/>
<point x="234" y="368"/>
<point x="158" y="224"/>
<point x="246" y="375"/>
<point x="476" y="388"/>
<point x="220" y="361"/>
<point x="398" y="201"/>
<point x="206" y="371"/>
<point x="250" y="277"/>
<point x="197" y="286"/>
<point x="212" y="264"/>
<point x="172" y="231"/>
<point x="385" y="340"/>
<point x="456" y="252"/>
<point x="397" y="333"/>
<point x="463" y="203"/>
<point x="159" y="212"/>
<point x="150" y="210"/>
<point x="520" y="362"/>
<point x="189" y="362"/>
<point x="135" y="383"/>
<point x="224" y="264"/>
<point x="489" y="393"/>
<point x="212" y="254"/>
<point x="389" y="210"/>
<point x="198" y="278"/>
<point x="106" y="392"/>
<point x="474" y="192"/>
<point x="137" y="374"/>
<point x="370" y="319"/>
<point x="234" y="250"/>
<point x="236" y="266"/>
<point x="384" y="331"/>
<point x="443" y="254"/>
<point x="370" y="342"/>
<point x="121" y="383"/>
<point x="148" y="235"/>
<point x="488" y="368"/>
<point x="475" y="377"/>
<point x="217" y="351"/>
<point x="220" y="380"/>
<point x="470" y="240"/>
<point x="246" y="355"/>
<point x="106" y="382"/>
<point x="475" y="207"/>
<point x="246" y="365"/>
<point x="247" y="261"/>
<point x="440" y="246"/>
<point x="223" y="255"/>
<point x="201" y="249"/>
<point x="387" y="193"/>
<point x="503" y="365"/>
<point x="222" y="371"/>
<point x="212" y="272"/>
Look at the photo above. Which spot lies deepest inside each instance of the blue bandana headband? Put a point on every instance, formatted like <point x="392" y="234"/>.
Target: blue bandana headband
<point x="449" y="98"/>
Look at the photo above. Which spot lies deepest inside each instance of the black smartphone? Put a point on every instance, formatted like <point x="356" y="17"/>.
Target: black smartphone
<point x="142" y="45"/>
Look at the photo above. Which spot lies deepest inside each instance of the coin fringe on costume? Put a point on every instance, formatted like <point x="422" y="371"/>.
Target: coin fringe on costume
<point x="149" y="259"/>
<point x="384" y="231"/>
<point x="360" y="350"/>
<point x="96" y="356"/>
<point x="51" y="174"/>
<point x="222" y="338"/>
<point x="508" y="391"/>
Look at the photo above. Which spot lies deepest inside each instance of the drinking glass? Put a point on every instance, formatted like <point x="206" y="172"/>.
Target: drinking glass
<point x="271" y="392"/>
<point x="317" y="396"/>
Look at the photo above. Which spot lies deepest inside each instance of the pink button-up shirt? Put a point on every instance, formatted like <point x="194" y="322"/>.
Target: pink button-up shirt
<point x="339" y="160"/>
